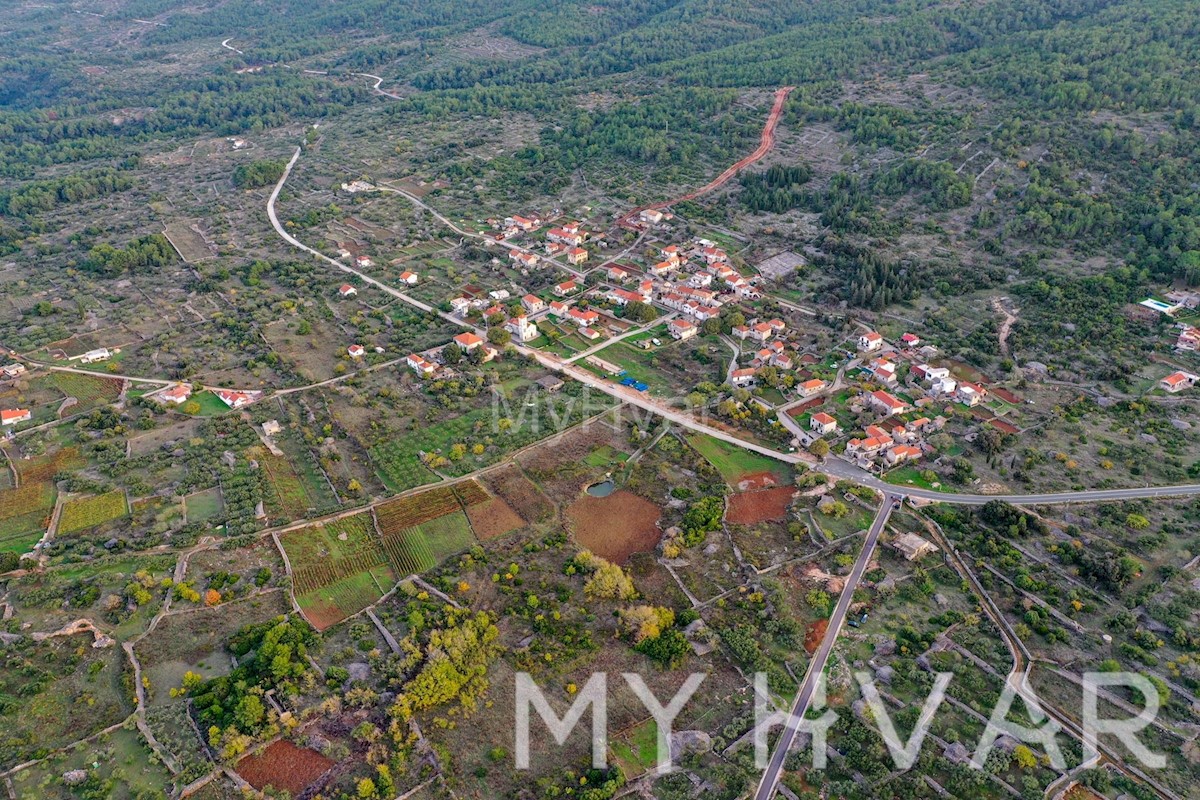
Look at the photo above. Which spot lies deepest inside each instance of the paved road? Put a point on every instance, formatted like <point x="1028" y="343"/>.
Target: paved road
<point x="816" y="666"/>
<point x="836" y="468"/>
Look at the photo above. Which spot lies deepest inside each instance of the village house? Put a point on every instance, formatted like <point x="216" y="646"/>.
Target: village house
<point x="883" y="371"/>
<point x="523" y="259"/>
<point x="363" y="262"/>
<point x="926" y="373"/>
<point x="741" y="331"/>
<point x="742" y="378"/>
<point x="563" y="236"/>
<point x="619" y="274"/>
<point x="885" y="403"/>
<point x="943" y="386"/>
<point x="565" y="288"/>
<point x="234" y="399"/>
<point x="714" y="255"/>
<point x="870" y="342"/>
<point x="583" y="319"/>
<point x="671" y="253"/>
<point x="12" y="370"/>
<point x="420" y="365"/>
<point x="651" y="216"/>
<point x="761" y="331"/>
<point x="910" y="340"/>
<point x="970" y="394"/>
<point x="525" y="224"/>
<point x="591" y="334"/>
<point x="577" y="256"/>
<point x="701" y="313"/>
<point x="467" y="341"/>
<point x="1179" y="381"/>
<point x="782" y="361"/>
<point x="822" y="424"/>
<point x="701" y="280"/>
<point x="346" y="290"/>
<point x="901" y="453"/>
<point x="664" y="268"/>
<point x="866" y="447"/>
<point x="624" y="297"/>
<point x="533" y="304"/>
<point x="913" y="547"/>
<point x="460" y="305"/>
<point x="410" y="278"/>
<point x="356" y="351"/>
<point x="177" y="394"/>
<point x="646" y="290"/>
<point x="553" y="248"/>
<point x="558" y="309"/>
<point x="681" y="329"/>
<point x="809" y="388"/>
<point x="12" y="416"/>
<point x="522" y="329"/>
<point x="499" y="294"/>
<point x="1189" y="339"/>
<point x="92" y="356"/>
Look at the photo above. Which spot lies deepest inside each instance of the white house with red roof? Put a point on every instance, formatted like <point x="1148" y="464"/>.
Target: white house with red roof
<point x="563" y="236"/>
<point x="582" y="318"/>
<point x="910" y="340"/>
<point x="467" y="341"/>
<point x="559" y="309"/>
<point x="523" y="259"/>
<point x="671" y="252"/>
<point x="362" y="262"/>
<point x="356" y="351"/>
<point x="883" y="371"/>
<point x="885" y="403"/>
<point x="682" y="329"/>
<point x="870" y="342"/>
<point x="1178" y="382"/>
<point x="177" y="394"/>
<point x="822" y="424"/>
<point x="619" y="273"/>
<point x="565" y="288"/>
<point x="970" y="394"/>
<point x="577" y="256"/>
<point x="346" y="290"/>
<point x="624" y="297"/>
<point x="664" y="268"/>
<point x="523" y="223"/>
<point x="811" y="387"/>
<point x="901" y="453"/>
<point x="714" y="255"/>
<point x="421" y="365"/>
<point x="743" y="378"/>
<point x="700" y="280"/>
<point x="533" y="304"/>
<point x="411" y="278"/>
<point x="13" y="416"/>
<point x="236" y="399"/>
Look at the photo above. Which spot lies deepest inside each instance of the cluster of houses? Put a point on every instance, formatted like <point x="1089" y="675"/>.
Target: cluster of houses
<point x="567" y="238"/>
<point x="888" y="445"/>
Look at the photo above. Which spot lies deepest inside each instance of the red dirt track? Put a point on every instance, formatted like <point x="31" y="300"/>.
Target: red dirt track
<point x="765" y="144"/>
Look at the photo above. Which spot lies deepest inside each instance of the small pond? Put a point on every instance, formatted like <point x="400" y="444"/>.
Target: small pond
<point x="602" y="489"/>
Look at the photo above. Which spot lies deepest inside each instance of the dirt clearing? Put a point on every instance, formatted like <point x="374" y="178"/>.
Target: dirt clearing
<point x="747" y="508"/>
<point x="615" y="527"/>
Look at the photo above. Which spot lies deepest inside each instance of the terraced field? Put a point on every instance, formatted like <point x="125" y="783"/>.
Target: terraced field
<point x="88" y="512"/>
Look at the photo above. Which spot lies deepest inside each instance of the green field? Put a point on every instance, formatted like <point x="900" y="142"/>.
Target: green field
<point x="88" y="512"/>
<point x="204" y="505"/>
<point x="424" y="546"/>
<point x="120" y="756"/>
<point x="606" y="456"/>
<point x="636" y="750"/>
<point x="734" y="462"/>
<point x="210" y="404"/>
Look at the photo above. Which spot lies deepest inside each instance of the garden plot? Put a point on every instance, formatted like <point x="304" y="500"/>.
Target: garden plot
<point x="617" y="526"/>
<point x="338" y="568"/>
<point x="285" y="767"/>
<point x="84" y="513"/>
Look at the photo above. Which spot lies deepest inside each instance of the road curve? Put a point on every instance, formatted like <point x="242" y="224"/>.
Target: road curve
<point x="816" y="665"/>
<point x="835" y="467"/>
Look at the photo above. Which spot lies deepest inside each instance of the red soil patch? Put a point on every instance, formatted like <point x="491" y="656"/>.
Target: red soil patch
<point x="493" y="518"/>
<point x="323" y="615"/>
<point x="809" y="405"/>
<point x="284" y="766"/>
<point x="814" y="634"/>
<point x="1007" y="427"/>
<point x="1006" y="396"/>
<point x="517" y="491"/>
<point x="756" y="480"/>
<point x="747" y="508"/>
<point x="617" y="526"/>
